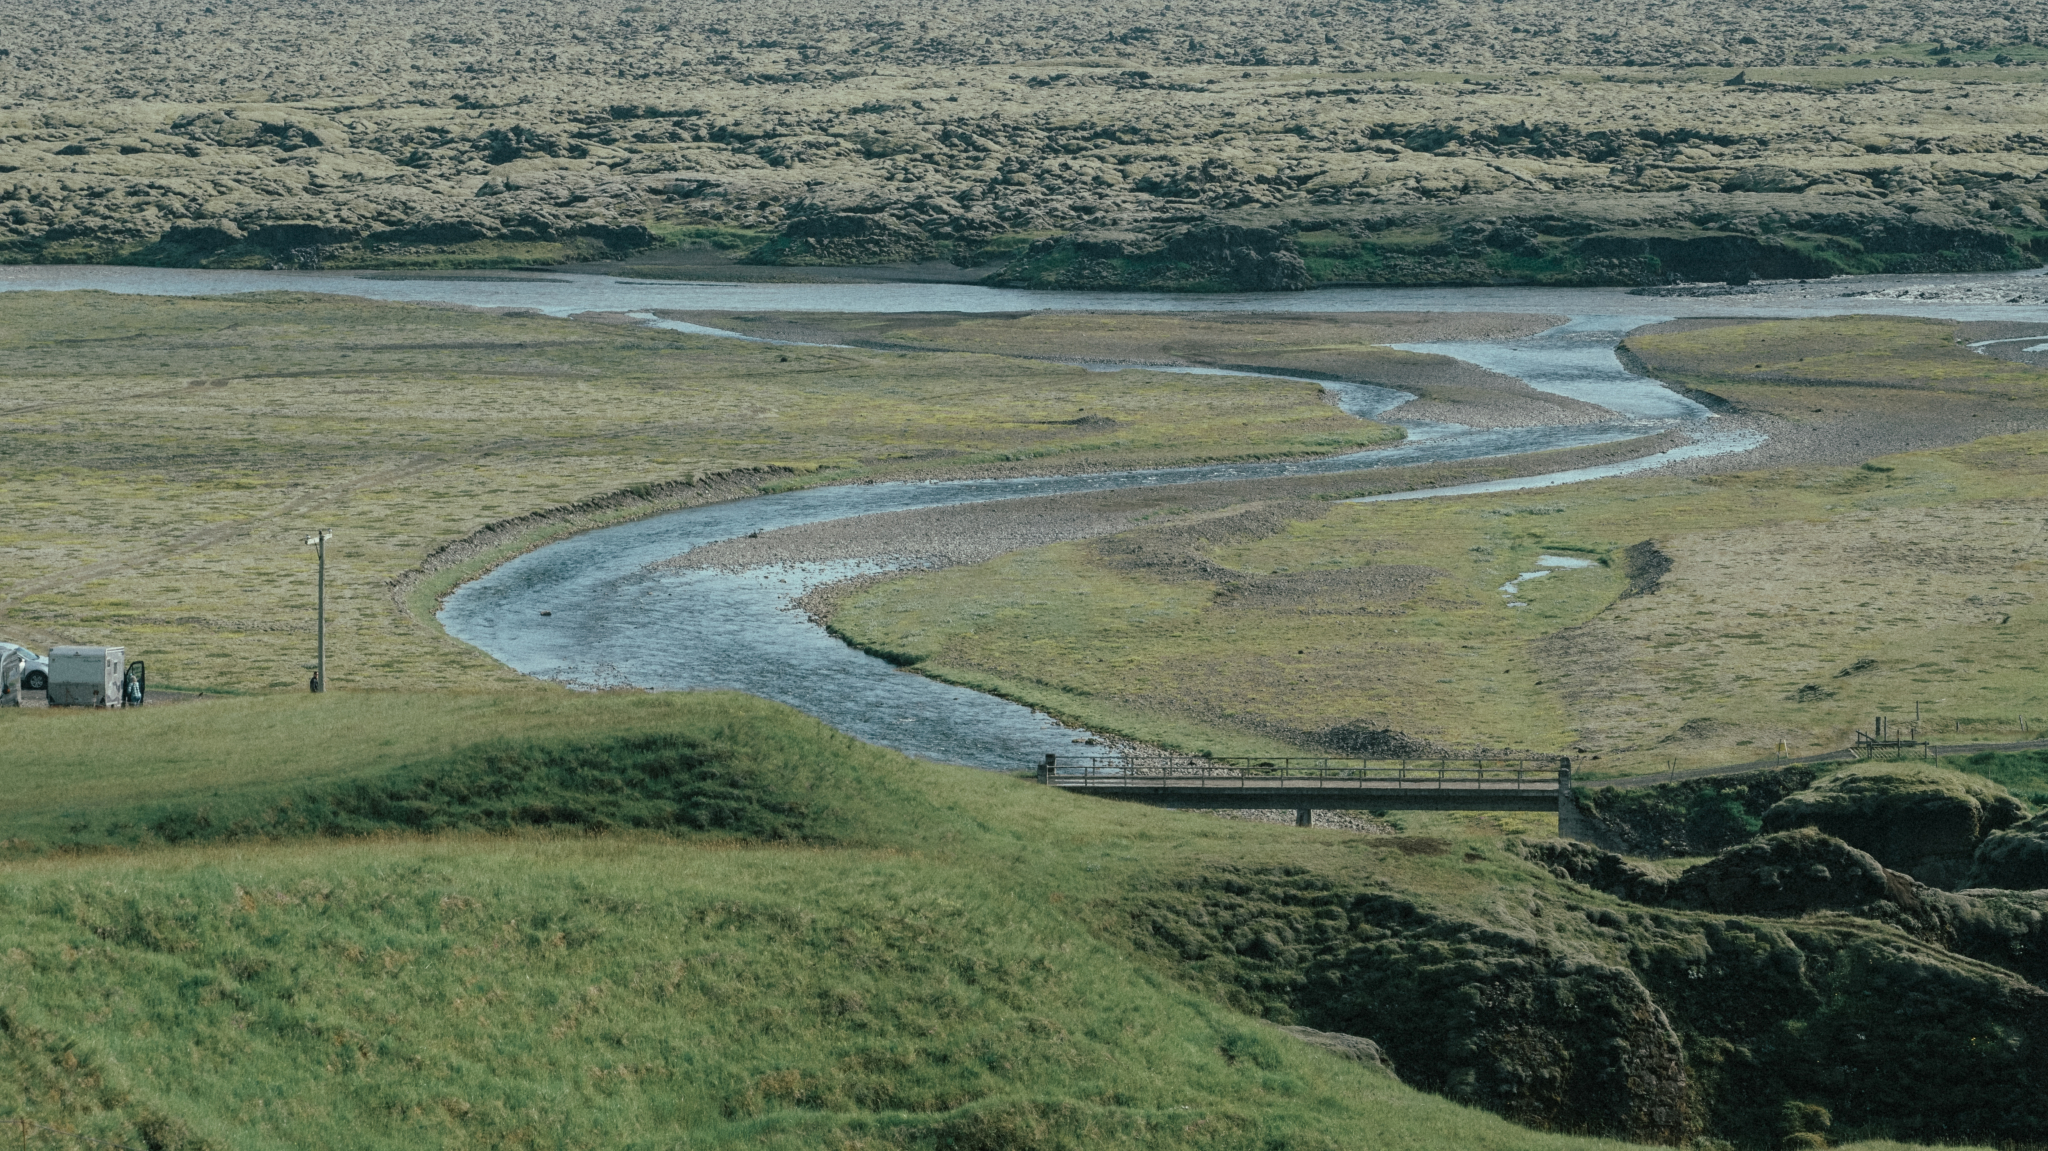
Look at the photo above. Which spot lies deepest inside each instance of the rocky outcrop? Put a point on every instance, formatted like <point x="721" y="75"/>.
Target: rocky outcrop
<point x="1733" y="259"/>
<point x="1599" y="869"/>
<point x="2014" y="859"/>
<point x="846" y="238"/>
<point x="1213" y="256"/>
<point x="1355" y="1048"/>
<point x="1253" y="259"/>
<point x="1801" y="873"/>
<point x="204" y="237"/>
<point x="1656" y="1023"/>
<point x="1791" y="874"/>
<point x="1484" y="1016"/>
<point x="1365" y="740"/>
<point x="1925" y="822"/>
<point x="1693" y="817"/>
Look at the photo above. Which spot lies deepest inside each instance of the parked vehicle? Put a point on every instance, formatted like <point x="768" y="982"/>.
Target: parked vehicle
<point x="35" y="676"/>
<point x="88" y="676"/>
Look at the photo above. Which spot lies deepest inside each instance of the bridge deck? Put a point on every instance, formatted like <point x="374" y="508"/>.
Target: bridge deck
<point x="1521" y="784"/>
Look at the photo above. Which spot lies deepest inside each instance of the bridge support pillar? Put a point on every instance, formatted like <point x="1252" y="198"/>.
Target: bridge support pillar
<point x="1303" y="817"/>
<point x="1571" y="822"/>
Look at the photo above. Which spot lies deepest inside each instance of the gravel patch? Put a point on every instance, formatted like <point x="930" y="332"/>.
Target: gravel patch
<point x="1844" y="437"/>
<point x="929" y="538"/>
<point x="1327" y="820"/>
<point x="932" y="537"/>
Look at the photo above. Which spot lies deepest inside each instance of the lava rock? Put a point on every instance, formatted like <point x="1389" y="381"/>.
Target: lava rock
<point x="205" y="236"/>
<point x="1793" y="873"/>
<point x="846" y="238"/>
<point x="2015" y="859"/>
<point x="1353" y="1047"/>
<point x="1925" y="822"/>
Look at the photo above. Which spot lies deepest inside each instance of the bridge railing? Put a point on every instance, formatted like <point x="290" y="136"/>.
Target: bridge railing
<point x="1485" y="773"/>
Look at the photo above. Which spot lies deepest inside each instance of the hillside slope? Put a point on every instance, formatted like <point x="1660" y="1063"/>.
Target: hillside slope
<point x="810" y="942"/>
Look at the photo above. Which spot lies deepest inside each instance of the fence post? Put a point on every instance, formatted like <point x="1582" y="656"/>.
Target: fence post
<point x="1045" y="769"/>
<point x="1566" y="806"/>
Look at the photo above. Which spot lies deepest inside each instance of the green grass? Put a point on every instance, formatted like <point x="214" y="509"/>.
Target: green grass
<point x="215" y="768"/>
<point x="1855" y="351"/>
<point x="824" y="945"/>
<point x="711" y="237"/>
<point x="913" y="967"/>
<point x="161" y="457"/>
<point x="2024" y="773"/>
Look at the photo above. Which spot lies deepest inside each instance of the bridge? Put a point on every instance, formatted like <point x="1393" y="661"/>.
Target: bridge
<point x="1479" y="782"/>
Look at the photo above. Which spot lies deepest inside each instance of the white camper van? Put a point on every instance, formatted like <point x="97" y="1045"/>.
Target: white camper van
<point x="86" y="676"/>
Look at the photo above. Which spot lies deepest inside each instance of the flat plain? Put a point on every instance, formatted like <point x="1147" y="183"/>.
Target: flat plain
<point x="1351" y="347"/>
<point x="166" y="456"/>
<point x="1791" y="605"/>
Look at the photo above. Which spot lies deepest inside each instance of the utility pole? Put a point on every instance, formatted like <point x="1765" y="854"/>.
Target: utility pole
<point x="318" y="540"/>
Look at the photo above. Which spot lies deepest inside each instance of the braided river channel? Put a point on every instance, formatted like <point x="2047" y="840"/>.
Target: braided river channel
<point x="617" y="616"/>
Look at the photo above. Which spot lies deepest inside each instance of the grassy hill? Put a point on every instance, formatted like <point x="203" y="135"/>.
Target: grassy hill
<point x="858" y="950"/>
<point x="704" y="920"/>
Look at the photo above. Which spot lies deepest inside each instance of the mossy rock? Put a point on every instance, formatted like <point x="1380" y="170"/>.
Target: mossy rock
<point x="1598" y="869"/>
<point x="1924" y="821"/>
<point x="1787" y="875"/>
<point x="1564" y="1011"/>
<point x="1489" y="1017"/>
<point x="1694" y="817"/>
<point x="2015" y="859"/>
<point x="1791" y="873"/>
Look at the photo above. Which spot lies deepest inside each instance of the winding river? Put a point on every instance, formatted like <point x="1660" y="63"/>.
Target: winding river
<point x="616" y="618"/>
